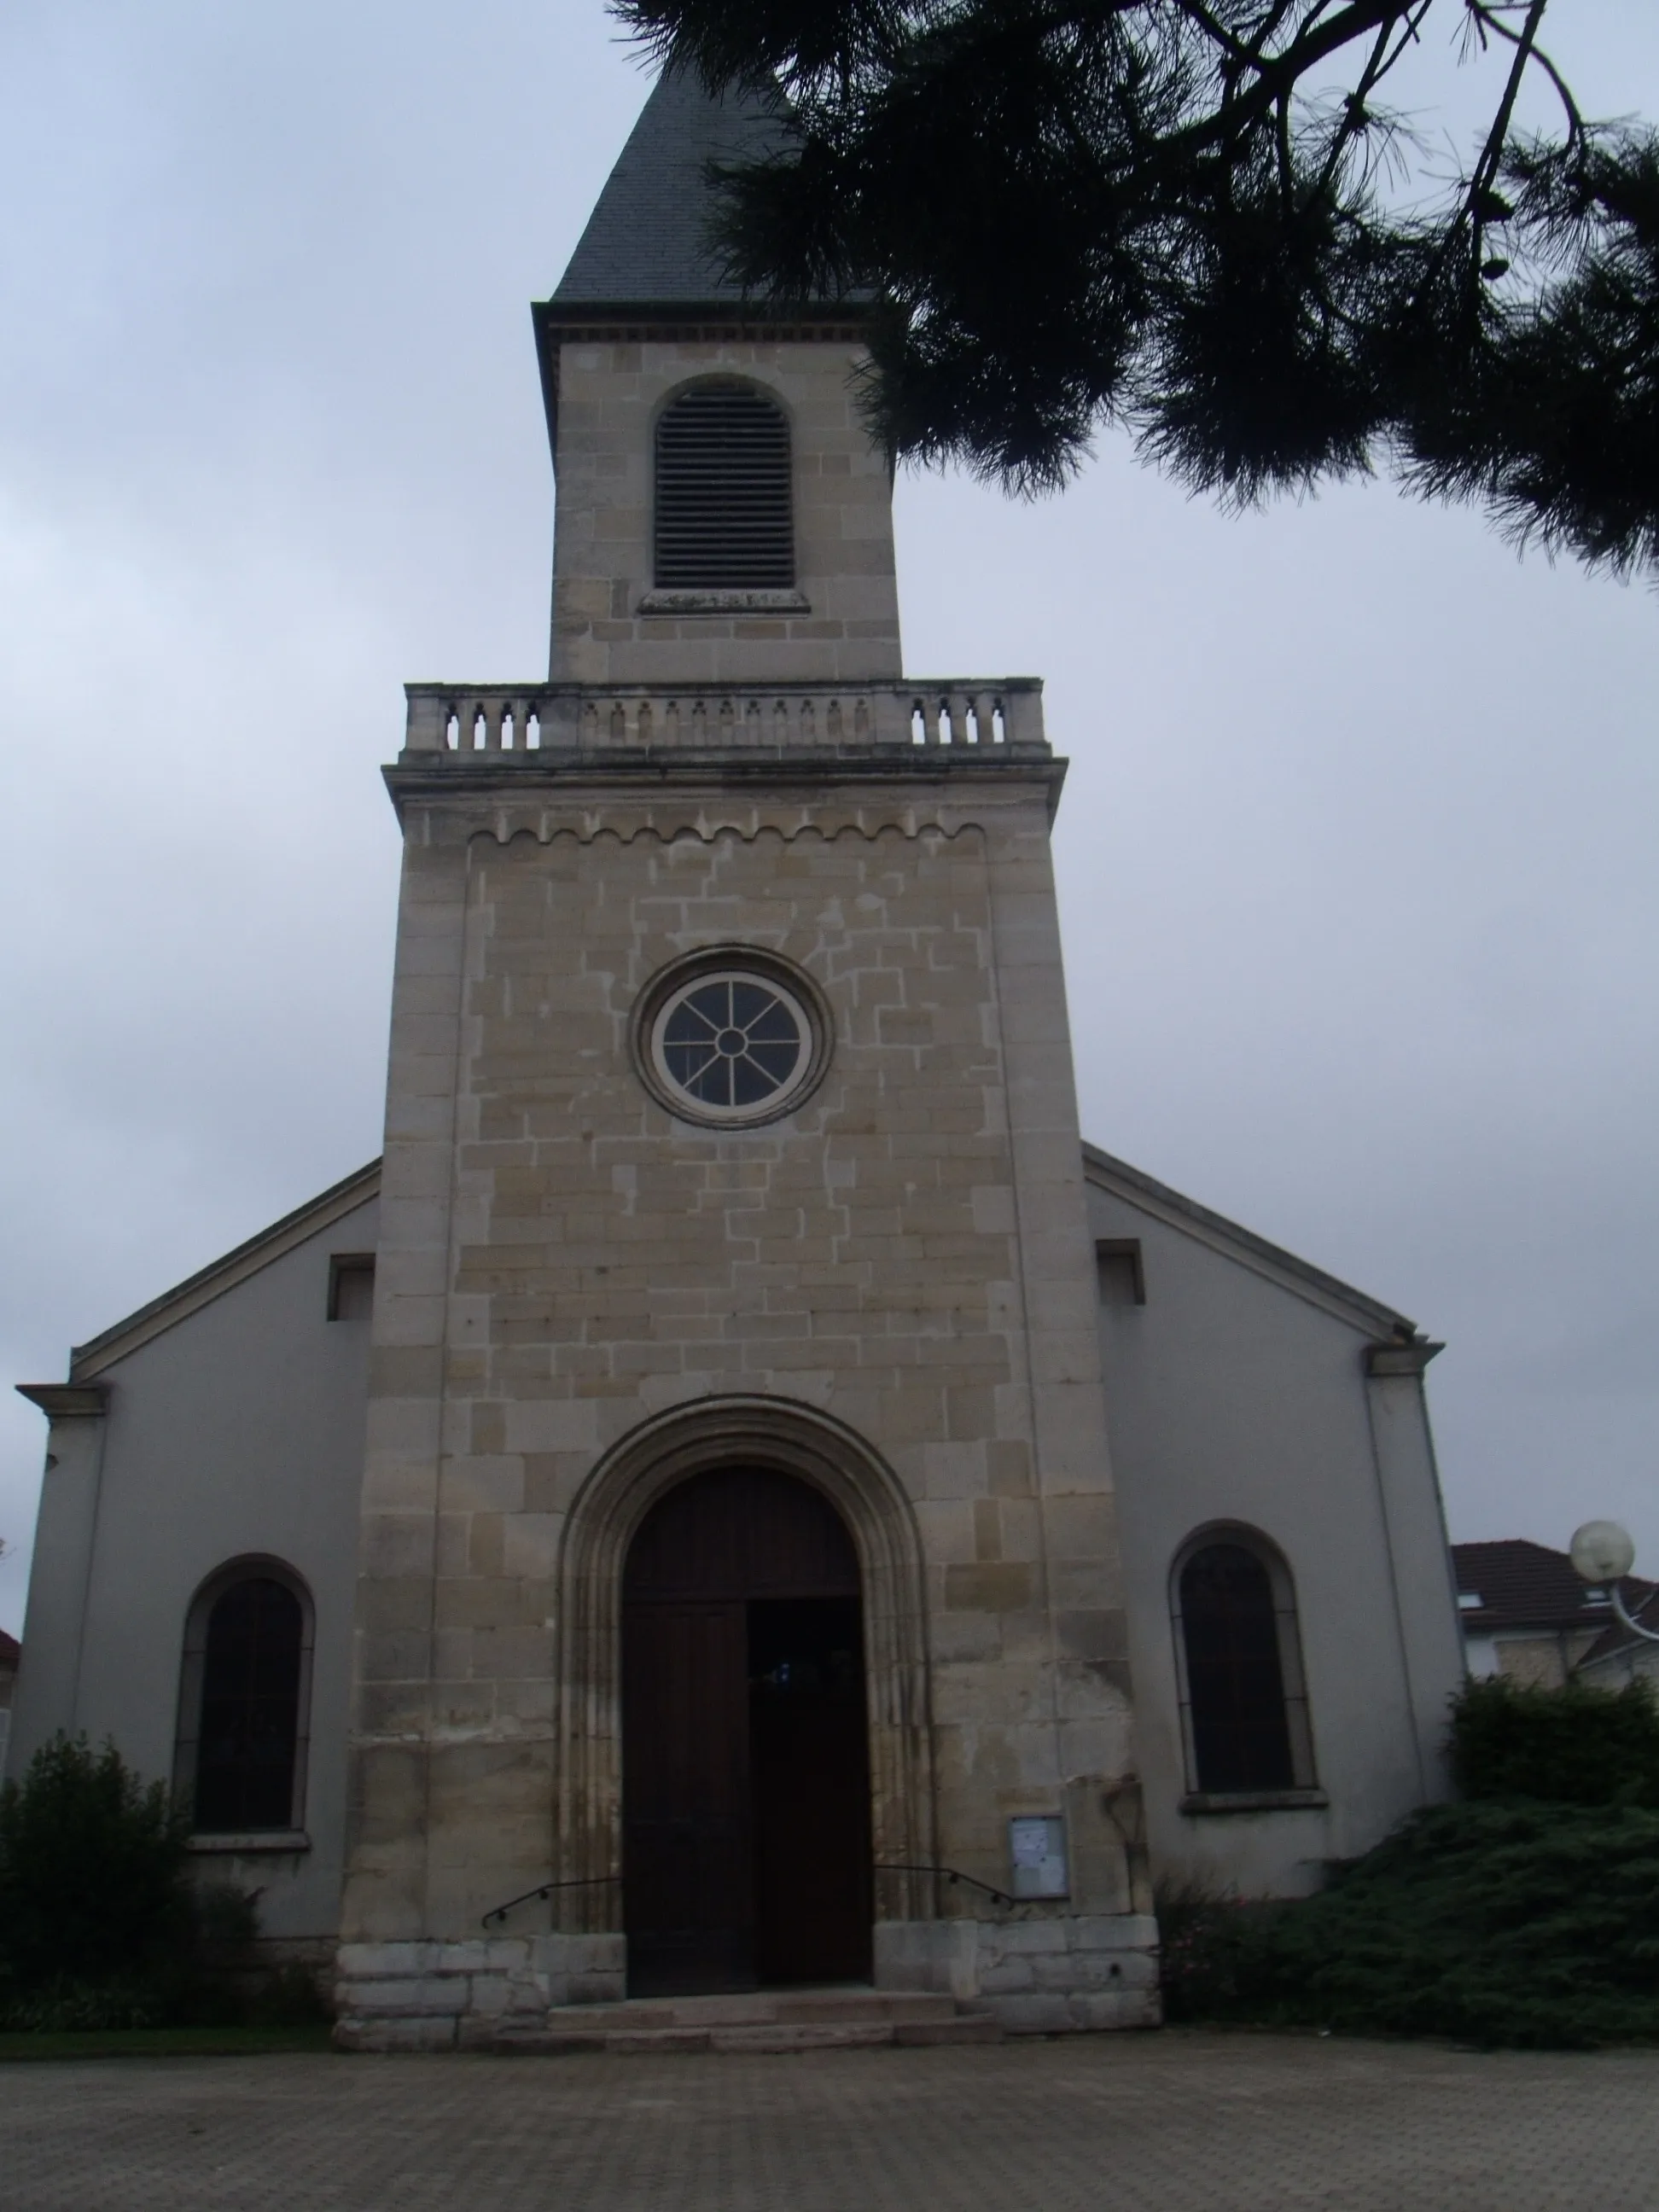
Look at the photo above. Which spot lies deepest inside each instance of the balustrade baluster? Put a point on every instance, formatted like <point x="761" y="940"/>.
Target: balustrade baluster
<point x="945" y="714"/>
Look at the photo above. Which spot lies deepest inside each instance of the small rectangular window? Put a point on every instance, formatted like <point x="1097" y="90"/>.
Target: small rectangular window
<point x="1122" y="1277"/>
<point x="350" y="1286"/>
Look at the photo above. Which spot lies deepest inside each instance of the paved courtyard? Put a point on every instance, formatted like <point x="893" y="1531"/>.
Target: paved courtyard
<point x="1175" y="2123"/>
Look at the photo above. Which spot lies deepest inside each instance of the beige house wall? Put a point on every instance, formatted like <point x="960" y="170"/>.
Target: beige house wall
<point x="1539" y="1658"/>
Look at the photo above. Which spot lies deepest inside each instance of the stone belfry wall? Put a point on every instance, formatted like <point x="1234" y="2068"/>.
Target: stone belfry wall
<point x="609" y="626"/>
<point x="584" y="1294"/>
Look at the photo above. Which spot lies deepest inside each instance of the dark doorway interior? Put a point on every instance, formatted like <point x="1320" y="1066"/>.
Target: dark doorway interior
<point x="745" y="1778"/>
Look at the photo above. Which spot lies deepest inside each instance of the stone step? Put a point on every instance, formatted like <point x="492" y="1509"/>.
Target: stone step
<point x="966" y="2028"/>
<point x="756" y="2020"/>
<point x="817" y="2035"/>
<point x="836" y="2007"/>
<point x="804" y="2035"/>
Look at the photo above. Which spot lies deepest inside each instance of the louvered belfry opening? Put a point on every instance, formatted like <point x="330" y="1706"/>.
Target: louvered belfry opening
<point x="725" y="518"/>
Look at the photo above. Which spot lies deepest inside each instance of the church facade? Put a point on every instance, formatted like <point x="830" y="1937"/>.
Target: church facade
<point x="740" y="1496"/>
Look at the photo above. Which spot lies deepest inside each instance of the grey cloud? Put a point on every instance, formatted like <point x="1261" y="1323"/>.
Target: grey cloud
<point x="1356" y="858"/>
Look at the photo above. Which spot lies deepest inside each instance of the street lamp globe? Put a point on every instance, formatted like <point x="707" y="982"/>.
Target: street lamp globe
<point x="1603" y="1552"/>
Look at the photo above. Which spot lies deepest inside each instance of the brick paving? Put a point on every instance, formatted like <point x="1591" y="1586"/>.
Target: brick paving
<point x="1172" y="2123"/>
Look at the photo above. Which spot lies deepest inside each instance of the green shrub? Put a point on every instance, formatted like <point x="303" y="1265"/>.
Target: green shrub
<point x="1572" y="1745"/>
<point x="289" y="1997"/>
<point x="100" y="1926"/>
<point x="93" y="1882"/>
<point x="1524" y="1924"/>
<point x="64" y="2006"/>
<point x="1213" y="1954"/>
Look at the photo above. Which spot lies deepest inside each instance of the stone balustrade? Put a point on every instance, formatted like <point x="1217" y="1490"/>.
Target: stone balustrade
<point x="955" y="714"/>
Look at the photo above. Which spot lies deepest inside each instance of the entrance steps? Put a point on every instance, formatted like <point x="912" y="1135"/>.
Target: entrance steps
<point x="838" y="2018"/>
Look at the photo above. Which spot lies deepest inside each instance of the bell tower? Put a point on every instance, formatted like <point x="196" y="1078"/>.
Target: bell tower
<point x="673" y="555"/>
<point x="732" y="1187"/>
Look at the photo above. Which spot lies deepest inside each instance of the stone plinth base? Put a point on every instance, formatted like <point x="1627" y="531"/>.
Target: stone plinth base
<point x="440" y="1996"/>
<point x="1057" y="1974"/>
<point x="1062" y="1973"/>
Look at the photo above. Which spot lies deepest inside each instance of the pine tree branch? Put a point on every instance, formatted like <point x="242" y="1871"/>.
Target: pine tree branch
<point x="1486" y="13"/>
<point x="1170" y="217"/>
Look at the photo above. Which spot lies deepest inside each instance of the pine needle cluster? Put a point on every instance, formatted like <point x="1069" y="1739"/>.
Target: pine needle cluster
<point x="1202" y="221"/>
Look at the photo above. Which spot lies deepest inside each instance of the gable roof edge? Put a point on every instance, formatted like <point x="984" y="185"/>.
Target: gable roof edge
<point x="224" y="1273"/>
<point x="1269" y="1260"/>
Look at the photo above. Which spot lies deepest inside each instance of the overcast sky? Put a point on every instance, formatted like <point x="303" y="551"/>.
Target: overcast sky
<point x="1357" y="856"/>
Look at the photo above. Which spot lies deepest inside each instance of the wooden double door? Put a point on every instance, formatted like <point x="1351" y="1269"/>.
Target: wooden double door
<point x="745" y="1762"/>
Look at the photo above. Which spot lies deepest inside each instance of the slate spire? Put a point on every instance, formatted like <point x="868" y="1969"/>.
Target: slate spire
<point x="646" y="243"/>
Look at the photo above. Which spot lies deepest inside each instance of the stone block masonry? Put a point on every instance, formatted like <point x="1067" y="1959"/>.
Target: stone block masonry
<point x="900" y="1266"/>
<point x="1044" y="1976"/>
<point x="608" y="624"/>
<point x="433" y="1996"/>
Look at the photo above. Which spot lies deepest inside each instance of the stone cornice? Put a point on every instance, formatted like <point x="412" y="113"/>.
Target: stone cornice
<point x="67" y="1401"/>
<point x="944" y="782"/>
<point x="705" y="826"/>
<point x="1385" y="1359"/>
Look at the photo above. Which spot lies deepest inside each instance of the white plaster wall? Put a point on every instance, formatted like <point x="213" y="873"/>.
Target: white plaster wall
<point x="240" y="1429"/>
<point x="1232" y="1397"/>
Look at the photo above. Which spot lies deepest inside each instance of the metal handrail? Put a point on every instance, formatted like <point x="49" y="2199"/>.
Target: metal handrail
<point x="586" y="1881"/>
<point x="952" y="1874"/>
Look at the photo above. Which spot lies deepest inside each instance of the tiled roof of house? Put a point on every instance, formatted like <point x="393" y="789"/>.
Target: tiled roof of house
<point x="10" y="1649"/>
<point x="1526" y="1585"/>
<point x="646" y="242"/>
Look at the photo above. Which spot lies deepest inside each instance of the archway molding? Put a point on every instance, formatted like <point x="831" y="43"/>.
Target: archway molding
<point x="650" y="1460"/>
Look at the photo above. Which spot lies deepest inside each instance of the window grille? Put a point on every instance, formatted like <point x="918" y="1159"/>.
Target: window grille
<point x="724" y="503"/>
<point x="240" y="1761"/>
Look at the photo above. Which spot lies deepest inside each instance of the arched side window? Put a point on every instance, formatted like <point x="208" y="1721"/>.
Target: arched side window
<point x="1243" y="1699"/>
<point x="244" y="1698"/>
<point x="725" y="518"/>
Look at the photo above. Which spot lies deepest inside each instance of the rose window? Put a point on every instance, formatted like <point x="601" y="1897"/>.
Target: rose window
<point x="731" y="1043"/>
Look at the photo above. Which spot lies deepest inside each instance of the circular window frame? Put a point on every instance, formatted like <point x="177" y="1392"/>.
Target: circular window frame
<point x="742" y="963"/>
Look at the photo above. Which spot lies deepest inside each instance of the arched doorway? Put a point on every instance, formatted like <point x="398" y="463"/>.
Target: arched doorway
<point x="746" y="1854"/>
